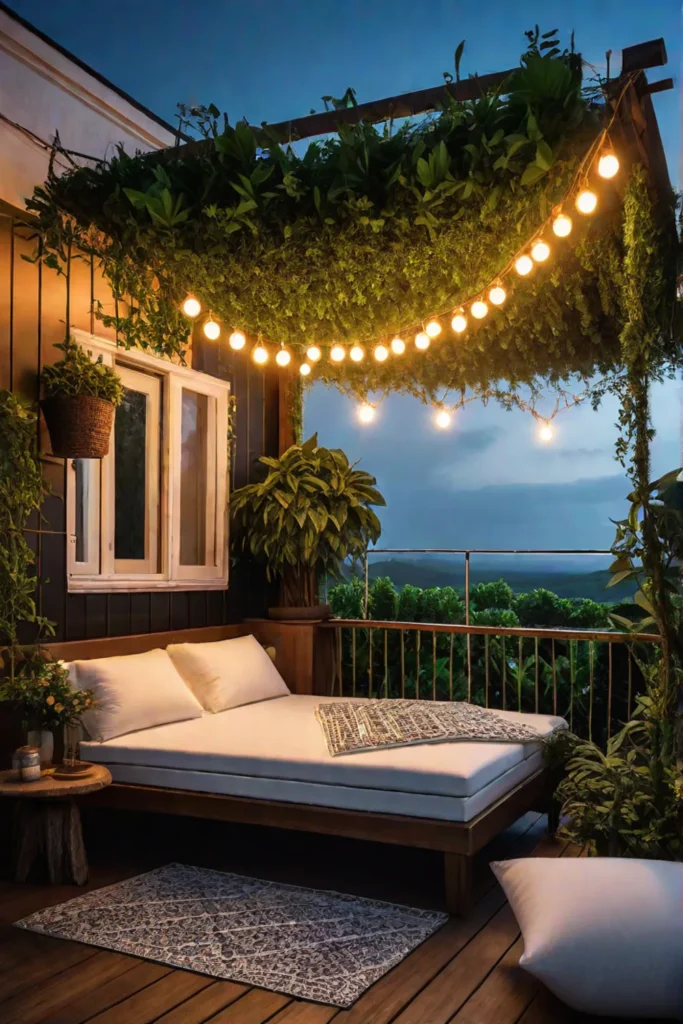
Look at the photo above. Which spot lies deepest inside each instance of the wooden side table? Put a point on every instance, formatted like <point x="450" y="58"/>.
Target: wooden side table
<point x="47" y="821"/>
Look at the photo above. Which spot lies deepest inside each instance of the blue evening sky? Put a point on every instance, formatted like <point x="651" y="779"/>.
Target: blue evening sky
<point x="487" y="482"/>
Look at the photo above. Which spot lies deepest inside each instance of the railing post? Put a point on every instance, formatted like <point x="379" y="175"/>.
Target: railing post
<point x="467" y="622"/>
<point x="366" y="575"/>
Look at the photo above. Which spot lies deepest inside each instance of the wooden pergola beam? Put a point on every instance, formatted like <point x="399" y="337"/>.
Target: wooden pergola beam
<point x="411" y="104"/>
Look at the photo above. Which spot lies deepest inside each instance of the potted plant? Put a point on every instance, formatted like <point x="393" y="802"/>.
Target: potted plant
<point x="79" y="404"/>
<point x="45" y="700"/>
<point x="310" y="513"/>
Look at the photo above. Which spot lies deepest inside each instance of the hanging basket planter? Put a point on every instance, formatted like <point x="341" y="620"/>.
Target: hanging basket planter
<point x="79" y="425"/>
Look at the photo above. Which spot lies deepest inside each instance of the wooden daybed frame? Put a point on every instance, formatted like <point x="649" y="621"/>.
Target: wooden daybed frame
<point x="294" y="645"/>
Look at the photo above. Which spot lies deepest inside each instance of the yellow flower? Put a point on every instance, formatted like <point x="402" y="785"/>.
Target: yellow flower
<point x="59" y="707"/>
<point x="49" y="700"/>
<point x="46" y="682"/>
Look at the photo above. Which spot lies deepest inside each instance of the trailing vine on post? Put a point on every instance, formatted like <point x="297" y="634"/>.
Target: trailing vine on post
<point x="21" y="495"/>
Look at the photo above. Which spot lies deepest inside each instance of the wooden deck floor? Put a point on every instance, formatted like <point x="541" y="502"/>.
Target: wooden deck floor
<point x="466" y="973"/>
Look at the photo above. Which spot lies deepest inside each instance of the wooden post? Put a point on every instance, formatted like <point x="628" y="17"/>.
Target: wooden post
<point x="286" y="395"/>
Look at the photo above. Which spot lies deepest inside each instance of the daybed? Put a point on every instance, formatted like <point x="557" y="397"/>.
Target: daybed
<point x="267" y="763"/>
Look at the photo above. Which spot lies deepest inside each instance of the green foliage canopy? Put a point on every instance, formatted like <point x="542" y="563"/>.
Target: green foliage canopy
<point x="363" y="235"/>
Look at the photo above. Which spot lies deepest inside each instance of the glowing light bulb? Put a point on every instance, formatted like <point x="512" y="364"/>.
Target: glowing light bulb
<point x="381" y="353"/>
<point x="562" y="225"/>
<point x="398" y="346"/>
<point x="546" y="433"/>
<point x="191" y="306"/>
<point x="524" y="265"/>
<point x="313" y="353"/>
<point x="283" y="357"/>
<point x="237" y="340"/>
<point x="479" y="309"/>
<point x="366" y="413"/>
<point x="212" y="330"/>
<point x="260" y="355"/>
<point x="540" y="251"/>
<point x="422" y="341"/>
<point x="357" y="353"/>
<point x="608" y="165"/>
<point x="586" y="201"/>
<point x="337" y="353"/>
<point x="443" y="419"/>
<point x="433" y="329"/>
<point x="497" y="295"/>
<point x="304" y="369"/>
<point x="459" y="323"/>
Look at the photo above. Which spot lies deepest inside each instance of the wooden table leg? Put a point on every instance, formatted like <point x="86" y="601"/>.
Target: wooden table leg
<point x="53" y="828"/>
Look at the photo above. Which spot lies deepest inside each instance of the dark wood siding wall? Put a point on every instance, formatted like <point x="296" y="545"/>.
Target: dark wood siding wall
<point x="34" y="305"/>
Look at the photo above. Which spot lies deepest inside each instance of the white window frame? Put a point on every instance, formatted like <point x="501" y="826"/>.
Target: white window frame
<point x="164" y="386"/>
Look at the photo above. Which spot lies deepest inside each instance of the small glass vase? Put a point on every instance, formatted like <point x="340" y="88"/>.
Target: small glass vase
<point x="45" y="741"/>
<point x="72" y="739"/>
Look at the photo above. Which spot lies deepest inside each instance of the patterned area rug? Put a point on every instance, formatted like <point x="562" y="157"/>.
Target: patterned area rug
<point x="352" y="726"/>
<point x="307" y="943"/>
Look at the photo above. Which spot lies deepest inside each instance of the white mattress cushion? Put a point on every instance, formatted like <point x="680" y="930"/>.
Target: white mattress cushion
<point x="134" y="691"/>
<point x="604" y="934"/>
<point x="281" y="739"/>
<point x="228" y="673"/>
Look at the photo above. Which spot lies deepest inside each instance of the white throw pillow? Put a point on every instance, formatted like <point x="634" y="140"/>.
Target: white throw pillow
<point x="228" y="673"/>
<point x="133" y="692"/>
<point x="604" y="934"/>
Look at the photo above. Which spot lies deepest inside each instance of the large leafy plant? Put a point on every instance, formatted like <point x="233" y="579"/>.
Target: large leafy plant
<point x="312" y="511"/>
<point x="77" y="374"/>
<point x="625" y="801"/>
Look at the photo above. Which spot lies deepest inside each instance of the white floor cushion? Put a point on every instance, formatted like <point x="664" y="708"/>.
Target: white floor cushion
<point x="228" y="673"/>
<point x="133" y="692"/>
<point x="604" y="934"/>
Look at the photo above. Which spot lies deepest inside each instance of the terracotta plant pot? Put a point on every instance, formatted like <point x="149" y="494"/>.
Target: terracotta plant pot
<point x="314" y="612"/>
<point x="79" y="425"/>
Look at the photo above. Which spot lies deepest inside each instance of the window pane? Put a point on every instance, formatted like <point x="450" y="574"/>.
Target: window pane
<point x="130" y="454"/>
<point x="84" y="481"/>
<point x="193" y="478"/>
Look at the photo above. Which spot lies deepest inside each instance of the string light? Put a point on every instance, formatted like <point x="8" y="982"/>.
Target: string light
<point x="381" y="353"/>
<point x="443" y="419"/>
<point x="586" y="201"/>
<point x="398" y="346"/>
<point x="304" y="369"/>
<point x="237" y="340"/>
<point x="562" y="225"/>
<point x="313" y="353"/>
<point x="212" y="330"/>
<point x="366" y="413"/>
<point x="433" y="329"/>
<point x="357" y="353"/>
<point x="459" y="322"/>
<point x="608" y="165"/>
<point x="479" y="309"/>
<point x="283" y="357"/>
<point x="337" y="353"/>
<point x="540" y="251"/>
<point x="524" y="265"/>
<point x="497" y="295"/>
<point x="422" y="341"/>
<point x="191" y="307"/>
<point x="546" y="433"/>
<point x="260" y="354"/>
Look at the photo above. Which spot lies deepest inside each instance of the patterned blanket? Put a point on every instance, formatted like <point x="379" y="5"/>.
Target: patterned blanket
<point x="351" y="726"/>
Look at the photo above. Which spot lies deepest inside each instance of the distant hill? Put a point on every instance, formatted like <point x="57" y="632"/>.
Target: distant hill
<point x="573" y="583"/>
